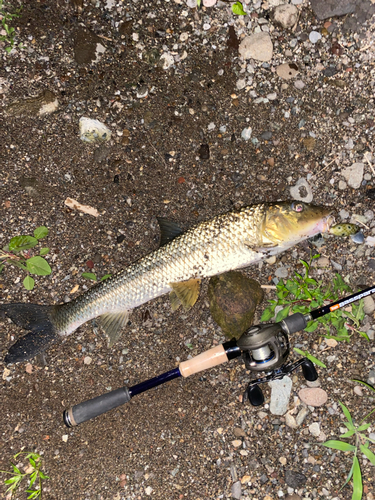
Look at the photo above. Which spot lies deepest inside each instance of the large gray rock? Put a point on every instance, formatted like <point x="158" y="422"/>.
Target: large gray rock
<point x="323" y="9"/>
<point x="233" y="299"/>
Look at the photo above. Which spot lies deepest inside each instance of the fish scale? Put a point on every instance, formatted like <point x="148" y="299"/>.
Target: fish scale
<point x="229" y="241"/>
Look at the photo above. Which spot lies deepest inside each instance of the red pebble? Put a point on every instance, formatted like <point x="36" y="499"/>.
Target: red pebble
<point x="180" y="180"/>
<point x="90" y="264"/>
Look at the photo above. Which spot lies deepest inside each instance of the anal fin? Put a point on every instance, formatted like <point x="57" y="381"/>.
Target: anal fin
<point x="112" y="324"/>
<point x="185" y="293"/>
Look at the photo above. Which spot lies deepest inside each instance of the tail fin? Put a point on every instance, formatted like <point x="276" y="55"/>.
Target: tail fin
<point x="37" y="319"/>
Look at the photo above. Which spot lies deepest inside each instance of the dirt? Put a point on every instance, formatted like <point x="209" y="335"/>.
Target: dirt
<point x="176" y="441"/>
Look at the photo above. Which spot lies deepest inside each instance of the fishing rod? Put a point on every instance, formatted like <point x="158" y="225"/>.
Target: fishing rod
<point x="264" y="348"/>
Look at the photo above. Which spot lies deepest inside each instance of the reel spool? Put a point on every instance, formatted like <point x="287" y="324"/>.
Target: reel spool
<point x="264" y="347"/>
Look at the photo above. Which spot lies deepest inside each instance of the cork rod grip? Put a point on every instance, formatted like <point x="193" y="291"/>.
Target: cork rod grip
<point x="209" y="359"/>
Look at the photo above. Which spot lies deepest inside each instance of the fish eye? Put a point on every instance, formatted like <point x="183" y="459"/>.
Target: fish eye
<point x="297" y="207"/>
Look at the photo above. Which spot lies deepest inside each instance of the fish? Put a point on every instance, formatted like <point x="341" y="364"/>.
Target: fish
<point x="229" y="241"/>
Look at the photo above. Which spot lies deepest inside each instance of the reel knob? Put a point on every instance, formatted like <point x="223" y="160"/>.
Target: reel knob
<point x="309" y="370"/>
<point x="255" y="395"/>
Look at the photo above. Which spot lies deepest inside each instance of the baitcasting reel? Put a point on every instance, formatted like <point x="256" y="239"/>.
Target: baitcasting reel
<point x="265" y="348"/>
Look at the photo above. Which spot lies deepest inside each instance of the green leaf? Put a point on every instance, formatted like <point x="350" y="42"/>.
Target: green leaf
<point x="105" y="277"/>
<point x="40" y="232"/>
<point x="339" y="445"/>
<point x="38" y="265"/>
<point x="357" y="480"/>
<point x="369" y="454"/>
<point x="267" y="314"/>
<point x="346" y="412"/>
<point x="16" y="469"/>
<point x="19" y="243"/>
<point x="29" y="283"/>
<point x="363" y="427"/>
<point x="347" y="434"/>
<point x="34" y="494"/>
<point x="1" y="267"/>
<point x="43" y="251"/>
<point x="238" y="9"/>
<point x="42" y="475"/>
<point x="89" y="276"/>
<point x="312" y="326"/>
<point x="282" y="314"/>
<point x="315" y="360"/>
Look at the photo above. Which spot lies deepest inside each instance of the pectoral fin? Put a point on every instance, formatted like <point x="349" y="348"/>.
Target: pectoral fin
<point x="261" y="249"/>
<point x="185" y="293"/>
<point x="168" y="230"/>
<point x="112" y="324"/>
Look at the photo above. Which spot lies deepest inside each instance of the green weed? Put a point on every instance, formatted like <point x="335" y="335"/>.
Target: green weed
<point x="362" y="443"/>
<point x="237" y="9"/>
<point x="303" y="294"/>
<point x="93" y="277"/>
<point x="33" y="472"/>
<point x="17" y="254"/>
<point x="6" y="18"/>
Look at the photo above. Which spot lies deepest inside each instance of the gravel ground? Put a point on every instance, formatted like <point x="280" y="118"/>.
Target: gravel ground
<point x="196" y="130"/>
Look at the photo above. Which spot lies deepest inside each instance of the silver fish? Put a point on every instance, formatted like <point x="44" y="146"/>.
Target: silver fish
<point x="230" y="241"/>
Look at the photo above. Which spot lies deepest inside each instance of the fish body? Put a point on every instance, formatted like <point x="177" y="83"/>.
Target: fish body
<point x="229" y="241"/>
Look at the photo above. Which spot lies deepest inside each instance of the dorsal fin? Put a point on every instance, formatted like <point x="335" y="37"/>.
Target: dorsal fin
<point x="168" y="230"/>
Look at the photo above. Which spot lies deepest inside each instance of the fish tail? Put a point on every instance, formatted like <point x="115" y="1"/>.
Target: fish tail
<point x="36" y="318"/>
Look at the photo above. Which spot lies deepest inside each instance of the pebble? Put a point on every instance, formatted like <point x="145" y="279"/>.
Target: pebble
<point x="281" y="272"/>
<point x="246" y="133"/>
<point x="369" y="305"/>
<point x="299" y="84"/>
<point x="354" y="175"/>
<point x="87" y="360"/>
<point x="358" y="390"/>
<point x="290" y="421"/>
<point x="322" y="262"/>
<point x="209" y="3"/>
<point x="314" y="36"/>
<point x="302" y="415"/>
<point x="314" y="429"/>
<point x="241" y="84"/>
<point x="166" y="60"/>
<point x="148" y="490"/>
<point x="286" y="15"/>
<point x="287" y="71"/>
<point x="358" y="238"/>
<point x="295" y="479"/>
<point x="257" y="46"/>
<point x="324" y="9"/>
<point x="313" y="396"/>
<point x="236" y="490"/>
<point x="280" y="394"/>
<point x="302" y="191"/>
<point x="236" y="443"/>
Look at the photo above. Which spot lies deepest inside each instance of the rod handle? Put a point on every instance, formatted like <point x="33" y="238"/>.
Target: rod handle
<point x="96" y="406"/>
<point x="208" y="359"/>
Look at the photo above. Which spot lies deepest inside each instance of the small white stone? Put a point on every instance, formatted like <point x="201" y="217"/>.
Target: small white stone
<point x="87" y="360"/>
<point x="302" y="191"/>
<point x="241" y="84"/>
<point x="65" y="438"/>
<point x="246" y="133"/>
<point x="286" y="15"/>
<point x="148" y="490"/>
<point x="314" y="429"/>
<point x="211" y="126"/>
<point x="314" y="36"/>
<point x="354" y="175"/>
<point x="257" y="46"/>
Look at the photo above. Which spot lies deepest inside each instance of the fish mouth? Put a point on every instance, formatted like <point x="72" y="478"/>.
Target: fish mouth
<point x="326" y="223"/>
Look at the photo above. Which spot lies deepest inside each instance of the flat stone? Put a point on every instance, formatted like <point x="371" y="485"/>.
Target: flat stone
<point x="354" y="175"/>
<point x="369" y="305"/>
<point x="280" y="394"/>
<point x="323" y="9"/>
<point x="257" y="46"/>
<point x="287" y="71"/>
<point x="313" y="396"/>
<point x="301" y="191"/>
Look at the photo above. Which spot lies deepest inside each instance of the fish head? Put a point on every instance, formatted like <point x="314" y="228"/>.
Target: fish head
<point x="287" y="223"/>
